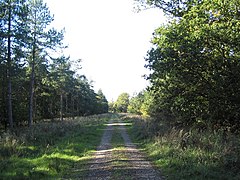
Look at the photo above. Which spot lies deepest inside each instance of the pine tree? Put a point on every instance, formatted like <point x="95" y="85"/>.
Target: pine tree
<point x="39" y="41"/>
<point x="13" y="13"/>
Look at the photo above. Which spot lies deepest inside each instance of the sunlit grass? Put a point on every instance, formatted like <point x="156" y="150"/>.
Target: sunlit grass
<point x="51" y="150"/>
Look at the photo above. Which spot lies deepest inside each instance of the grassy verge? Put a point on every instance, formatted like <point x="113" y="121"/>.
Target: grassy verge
<point x="188" y="153"/>
<point x="50" y="150"/>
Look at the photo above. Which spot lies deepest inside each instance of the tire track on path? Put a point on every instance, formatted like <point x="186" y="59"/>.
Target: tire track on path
<point x="139" y="167"/>
<point x="135" y="165"/>
<point x="100" y="167"/>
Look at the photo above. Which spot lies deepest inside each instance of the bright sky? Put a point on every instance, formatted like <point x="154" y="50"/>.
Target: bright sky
<point x="110" y="38"/>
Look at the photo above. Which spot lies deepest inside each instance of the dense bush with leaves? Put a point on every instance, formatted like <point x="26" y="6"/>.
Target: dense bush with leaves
<point x="194" y="63"/>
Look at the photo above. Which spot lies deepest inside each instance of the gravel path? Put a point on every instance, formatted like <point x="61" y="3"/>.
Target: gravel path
<point x="133" y="166"/>
<point x="100" y="167"/>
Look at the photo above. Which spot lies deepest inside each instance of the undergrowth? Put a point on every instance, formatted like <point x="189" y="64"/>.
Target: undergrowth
<point x="188" y="153"/>
<point x="50" y="150"/>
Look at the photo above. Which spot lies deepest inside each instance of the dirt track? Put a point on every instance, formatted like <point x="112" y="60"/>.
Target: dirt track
<point x="124" y="163"/>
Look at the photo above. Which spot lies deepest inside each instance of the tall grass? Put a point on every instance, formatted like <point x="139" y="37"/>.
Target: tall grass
<point x="50" y="149"/>
<point x="189" y="153"/>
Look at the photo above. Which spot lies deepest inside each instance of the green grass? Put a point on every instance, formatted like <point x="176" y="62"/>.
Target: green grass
<point x="117" y="140"/>
<point x="189" y="154"/>
<point x="51" y="150"/>
<point x="119" y="157"/>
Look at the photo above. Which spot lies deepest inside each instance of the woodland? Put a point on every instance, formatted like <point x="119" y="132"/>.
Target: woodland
<point x="37" y="80"/>
<point x="187" y="120"/>
<point x="194" y="64"/>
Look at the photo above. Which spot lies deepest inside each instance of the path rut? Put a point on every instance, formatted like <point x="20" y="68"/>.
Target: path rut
<point x="134" y="165"/>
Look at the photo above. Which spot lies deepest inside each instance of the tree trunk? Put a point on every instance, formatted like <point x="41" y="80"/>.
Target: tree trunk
<point x="9" y="69"/>
<point x="66" y="105"/>
<point x="4" y="99"/>
<point x="51" y="110"/>
<point x="30" y="120"/>
<point x="31" y="92"/>
<point x="32" y="77"/>
<point x="61" y="106"/>
<point x="73" y="110"/>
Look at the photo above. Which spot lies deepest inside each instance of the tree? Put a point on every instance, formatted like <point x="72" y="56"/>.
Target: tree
<point x="102" y="102"/>
<point x="141" y="103"/>
<point x="175" y="8"/>
<point x="122" y="103"/>
<point x="111" y="106"/>
<point x="61" y="76"/>
<point x="34" y="82"/>
<point x="40" y="40"/>
<point x="3" y="83"/>
<point x="135" y="103"/>
<point x="13" y="13"/>
<point x="195" y="64"/>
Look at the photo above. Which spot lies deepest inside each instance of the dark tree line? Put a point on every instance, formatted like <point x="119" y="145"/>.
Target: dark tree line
<point x="195" y="63"/>
<point x="36" y="80"/>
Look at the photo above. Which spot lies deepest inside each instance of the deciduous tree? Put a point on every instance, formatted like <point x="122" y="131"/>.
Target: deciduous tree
<point x="122" y="103"/>
<point x="195" y="63"/>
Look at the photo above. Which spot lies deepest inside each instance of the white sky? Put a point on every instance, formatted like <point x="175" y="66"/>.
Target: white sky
<point x="110" y="38"/>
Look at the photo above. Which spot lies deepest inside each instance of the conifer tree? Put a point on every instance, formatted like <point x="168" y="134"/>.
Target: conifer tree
<point x="40" y="40"/>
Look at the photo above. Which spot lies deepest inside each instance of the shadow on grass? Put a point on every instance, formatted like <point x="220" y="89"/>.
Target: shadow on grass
<point x="190" y="163"/>
<point x="64" y="157"/>
<point x="187" y="165"/>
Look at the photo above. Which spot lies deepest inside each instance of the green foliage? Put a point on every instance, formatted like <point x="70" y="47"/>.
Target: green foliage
<point x="195" y="64"/>
<point x="111" y="106"/>
<point x="135" y="104"/>
<point x="102" y="103"/>
<point x="122" y="103"/>
<point x="141" y="103"/>
<point x="35" y="81"/>
<point x="175" y="8"/>
<point x="190" y="152"/>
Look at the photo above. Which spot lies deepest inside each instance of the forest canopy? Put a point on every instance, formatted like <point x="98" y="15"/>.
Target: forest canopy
<point x="37" y="81"/>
